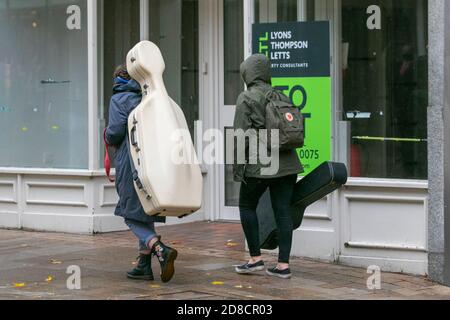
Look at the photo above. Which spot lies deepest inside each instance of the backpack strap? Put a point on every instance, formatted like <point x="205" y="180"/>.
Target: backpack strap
<point x="271" y="95"/>
<point x="274" y="95"/>
<point x="107" y="160"/>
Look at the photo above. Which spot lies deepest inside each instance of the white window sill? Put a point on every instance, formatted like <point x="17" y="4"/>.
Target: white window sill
<point x="57" y="172"/>
<point x="387" y="183"/>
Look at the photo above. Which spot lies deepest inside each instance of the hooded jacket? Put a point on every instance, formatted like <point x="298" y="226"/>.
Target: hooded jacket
<point x="251" y="114"/>
<point x="126" y="97"/>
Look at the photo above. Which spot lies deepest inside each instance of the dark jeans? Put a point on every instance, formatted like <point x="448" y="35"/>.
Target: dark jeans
<point x="281" y="190"/>
<point x="145" y="232"/>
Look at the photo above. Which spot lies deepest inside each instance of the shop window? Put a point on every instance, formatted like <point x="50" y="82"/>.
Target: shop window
<point x="174" y="28"/>
<point x="385" y="81"/>
<point x="43" y="84"/>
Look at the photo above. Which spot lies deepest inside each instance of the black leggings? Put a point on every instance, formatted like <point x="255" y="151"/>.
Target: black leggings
<point x="281" y="190"/>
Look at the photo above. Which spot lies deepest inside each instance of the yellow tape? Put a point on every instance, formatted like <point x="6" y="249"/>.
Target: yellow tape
<point x="384" y="139"/>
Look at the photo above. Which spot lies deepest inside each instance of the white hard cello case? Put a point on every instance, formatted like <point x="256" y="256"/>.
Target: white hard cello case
<point x="167" y="174"/>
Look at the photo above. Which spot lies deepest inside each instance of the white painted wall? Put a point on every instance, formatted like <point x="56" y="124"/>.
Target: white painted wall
<point x="369" y="222"/>
<point x="384" y="223"/>
<point x="62" y="201"/>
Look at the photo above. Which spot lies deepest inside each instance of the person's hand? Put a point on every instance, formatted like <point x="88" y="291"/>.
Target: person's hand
<point x="239" y="179"/>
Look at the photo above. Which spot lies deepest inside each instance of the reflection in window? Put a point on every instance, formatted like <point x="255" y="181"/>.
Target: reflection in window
<point x="233" y="49"/>
<point x="43" y="85"/>
<point x="385" y="88"/>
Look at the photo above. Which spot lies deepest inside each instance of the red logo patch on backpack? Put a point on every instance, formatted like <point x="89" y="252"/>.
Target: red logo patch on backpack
<point x="289" y="117"/>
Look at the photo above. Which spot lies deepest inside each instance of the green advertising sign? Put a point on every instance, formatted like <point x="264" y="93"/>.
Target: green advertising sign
<point x="300" y="57"/>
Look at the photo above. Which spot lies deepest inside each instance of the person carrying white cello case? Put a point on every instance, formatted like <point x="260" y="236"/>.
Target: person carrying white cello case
<point x="167" y="174"/>
<point x="157" y="172"/>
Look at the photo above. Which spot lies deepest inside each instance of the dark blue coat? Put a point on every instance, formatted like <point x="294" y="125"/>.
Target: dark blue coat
<point x="125" y="99"/>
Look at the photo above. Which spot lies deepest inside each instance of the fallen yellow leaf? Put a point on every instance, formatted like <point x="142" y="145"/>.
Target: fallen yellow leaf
<point x="54" y="261"/>
<point x="232" y="244"/>
<point x="239" y="287"/>
<point x="155" y="286"/>
<point x="19" y="285"/>
<point x="49" y="279"/>
<point x="217" y="283"/>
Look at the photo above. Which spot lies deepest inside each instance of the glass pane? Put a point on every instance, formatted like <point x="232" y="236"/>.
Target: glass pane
<point x="43" y="84"/>
<point x="276" y="11"/>
<point x="385" y="88"/>
<point x="174" y="28"/>
<point x="232" y="188"/>
<point x="233" y="49"/>
<point x="311" y="10"/>
<point x="287" y="10"/>
<point x="119" y="32"/>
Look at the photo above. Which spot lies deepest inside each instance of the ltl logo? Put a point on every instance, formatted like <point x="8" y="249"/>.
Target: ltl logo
<point x="264" y="44"/>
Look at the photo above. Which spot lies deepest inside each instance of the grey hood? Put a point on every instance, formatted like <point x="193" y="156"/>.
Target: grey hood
<point x="256" y="69"/>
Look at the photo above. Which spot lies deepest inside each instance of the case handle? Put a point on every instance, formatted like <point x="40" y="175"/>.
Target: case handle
<point x="133" y="139"/>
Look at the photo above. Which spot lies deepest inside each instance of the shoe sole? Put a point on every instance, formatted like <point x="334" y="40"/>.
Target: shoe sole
<point x="281" y="276"/>
<point x="249" y="271"/>
<point x="169" y="271"/>
<point x="142" y="278"/>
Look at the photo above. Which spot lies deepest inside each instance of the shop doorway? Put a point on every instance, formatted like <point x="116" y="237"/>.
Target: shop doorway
<point x="232" y="54"/>
<point x="236" y="19"/>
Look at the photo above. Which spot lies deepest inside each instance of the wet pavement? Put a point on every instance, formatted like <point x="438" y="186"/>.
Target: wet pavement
<point x="35" y="266"/>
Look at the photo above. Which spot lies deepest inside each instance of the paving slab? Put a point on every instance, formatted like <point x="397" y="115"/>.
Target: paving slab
<point x="33" y="266"/>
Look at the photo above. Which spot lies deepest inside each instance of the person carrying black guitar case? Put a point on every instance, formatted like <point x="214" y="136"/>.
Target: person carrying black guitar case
<point x="324" y="180"/>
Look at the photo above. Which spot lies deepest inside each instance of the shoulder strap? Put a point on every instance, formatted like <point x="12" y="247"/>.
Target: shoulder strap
<point x="134" y="172"/>
<point x="274" y="95"/>
<point x="254" y="96"/>
<point x="270" y="95"/>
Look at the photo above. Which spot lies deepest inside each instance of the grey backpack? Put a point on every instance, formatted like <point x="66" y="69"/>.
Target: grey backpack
<point x="287" y="119"/>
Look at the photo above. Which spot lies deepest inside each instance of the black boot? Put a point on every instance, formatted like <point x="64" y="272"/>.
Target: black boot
<point x="166" y="257"/>
<point x="143" y="270"/>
